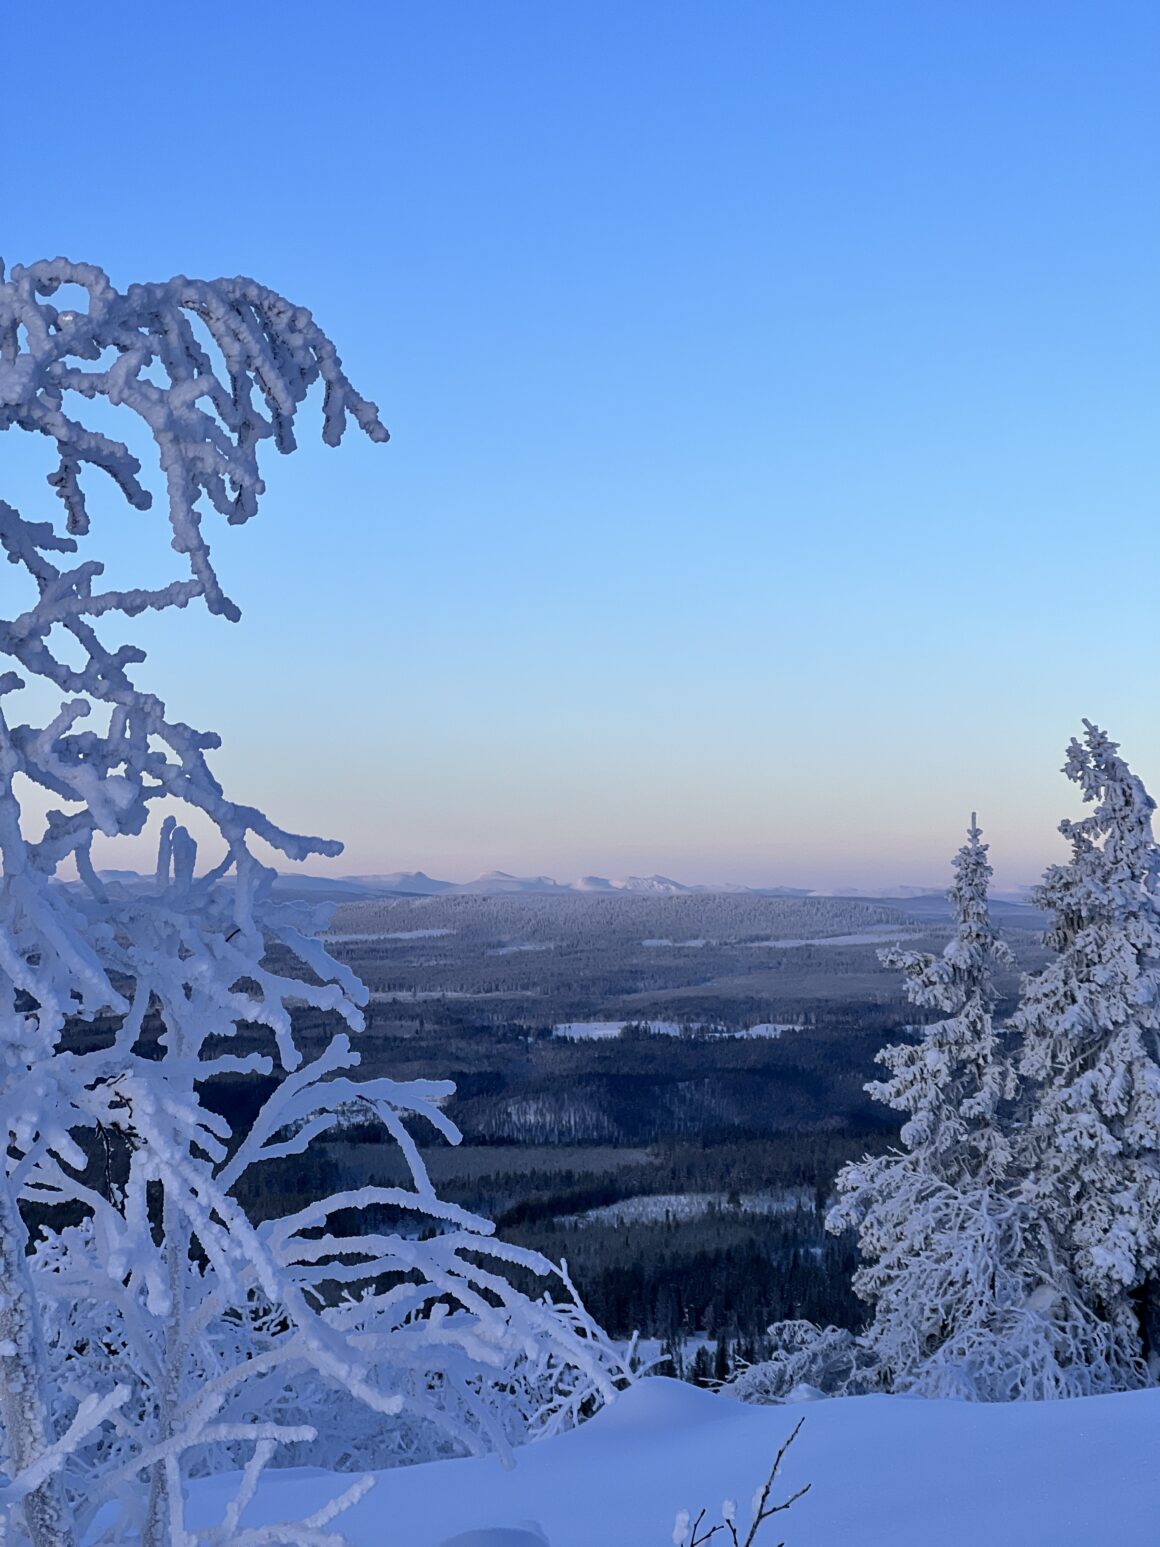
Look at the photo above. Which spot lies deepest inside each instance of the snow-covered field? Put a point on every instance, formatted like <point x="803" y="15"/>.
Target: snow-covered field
<point x="411" y="995"/>
<point x="681" y="943"/>
<point x="885" y="1472"/>
<point x="580" y="1031"/>
<point x="394" y="934"/>
<point x="885" y="934"/>
<point x="679" y="1207"/>
<point x="763" y="1029"/>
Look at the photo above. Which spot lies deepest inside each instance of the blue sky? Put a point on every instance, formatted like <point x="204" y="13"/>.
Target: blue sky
<point x="773" y="391"/>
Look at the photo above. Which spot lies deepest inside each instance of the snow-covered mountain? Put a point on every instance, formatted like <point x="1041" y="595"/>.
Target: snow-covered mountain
<point x="499" y="881"/>
<point x="415" y="881"/>
<point x="657" y="886"/>
<point x="496" y="882"/>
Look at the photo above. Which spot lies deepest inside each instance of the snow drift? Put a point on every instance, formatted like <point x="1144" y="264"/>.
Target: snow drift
<point x="886" y="1472"/>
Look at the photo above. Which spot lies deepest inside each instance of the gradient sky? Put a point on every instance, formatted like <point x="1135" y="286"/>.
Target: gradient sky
<point x="773" y="391"/>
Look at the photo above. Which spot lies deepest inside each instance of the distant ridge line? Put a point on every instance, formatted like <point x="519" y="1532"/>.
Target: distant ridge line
<point x="499" y="883"/>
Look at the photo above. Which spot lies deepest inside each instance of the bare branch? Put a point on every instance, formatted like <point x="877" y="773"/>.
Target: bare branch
<point x="762" y="1509"/>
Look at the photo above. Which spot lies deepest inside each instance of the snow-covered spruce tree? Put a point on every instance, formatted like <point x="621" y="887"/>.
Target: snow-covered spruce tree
<point x="1090" y="1026"/>
<point x="908" y="1206"/>
<point x="953" y="1080"/>
<point x="806" y="1359"/>
<point x="949" y="1250"/>
<point x="971" y="1295"/>
<point x="146" y="1322"/>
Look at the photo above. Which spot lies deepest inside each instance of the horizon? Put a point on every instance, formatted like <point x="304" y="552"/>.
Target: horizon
<point x="717" y="882"/>
<point x="615" y="884"/>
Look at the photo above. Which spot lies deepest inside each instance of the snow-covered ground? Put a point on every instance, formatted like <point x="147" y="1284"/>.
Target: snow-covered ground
<point x="409" y="995"/>
<point x="680" y="1207"/>
<point x="885" y="1472"/>
<point x="394" y="934"/>
<point x="877" y="934"/>
<point x="582" y="1031"/>
<point x="579" y="1031"/>
<point x="763" y="1029"/>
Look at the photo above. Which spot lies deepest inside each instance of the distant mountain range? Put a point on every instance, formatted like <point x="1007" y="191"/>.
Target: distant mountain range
<point x="497" y="883"/>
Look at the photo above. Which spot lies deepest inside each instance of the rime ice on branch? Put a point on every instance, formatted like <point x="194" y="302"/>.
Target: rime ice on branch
<point x="148" y="1322"/>
<point x="1090" y="1023"/>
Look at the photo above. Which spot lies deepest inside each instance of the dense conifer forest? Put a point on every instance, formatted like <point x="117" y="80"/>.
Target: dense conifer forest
<point x="711" y="1141"/>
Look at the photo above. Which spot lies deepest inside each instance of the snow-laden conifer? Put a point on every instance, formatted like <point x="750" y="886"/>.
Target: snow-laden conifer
<point x="954" y="1263"/>
<point x="147" y="1323"/>
<point x="1090" y="1023"/>
<point x="952" y="1081"/>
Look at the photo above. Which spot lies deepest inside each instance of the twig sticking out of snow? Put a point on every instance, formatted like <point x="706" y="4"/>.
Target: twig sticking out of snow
<point x="689" y="1533"/>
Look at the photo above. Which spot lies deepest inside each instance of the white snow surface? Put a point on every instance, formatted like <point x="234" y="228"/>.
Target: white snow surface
<point x="582" y="1031"/>
<point x="877" y="934"/>
<point x="765" y="1029"/>
<point x="655" y="1208"/>
<point x="394" y="934"/>
<point x="885" y="1472"/>
<point x="685" y="944"/>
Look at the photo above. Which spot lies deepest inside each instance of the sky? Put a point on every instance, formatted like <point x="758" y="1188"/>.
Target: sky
<point x="773" y="394"/>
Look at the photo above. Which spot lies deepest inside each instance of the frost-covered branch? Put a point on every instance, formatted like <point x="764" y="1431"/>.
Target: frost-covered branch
<point x="128" y="1262"/>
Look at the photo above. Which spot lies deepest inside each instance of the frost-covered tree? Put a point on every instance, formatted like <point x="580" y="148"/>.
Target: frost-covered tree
<point x="953" y="1080"/>
<point x="955" y="1264"/>
<point x="147" y="1323"/>
<point x="806" y="1360"/>
<point x="950" y="1082"/>
<point x="1090" y="1025"/>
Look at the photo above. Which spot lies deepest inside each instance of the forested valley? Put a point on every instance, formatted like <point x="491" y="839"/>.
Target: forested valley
<point x="660" y="1091"/>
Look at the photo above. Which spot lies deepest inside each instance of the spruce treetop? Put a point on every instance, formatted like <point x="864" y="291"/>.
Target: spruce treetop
<point x="952" y="1081"/>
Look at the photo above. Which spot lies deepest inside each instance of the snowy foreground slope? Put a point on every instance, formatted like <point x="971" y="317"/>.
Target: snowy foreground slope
<point x="886" y="1472"/>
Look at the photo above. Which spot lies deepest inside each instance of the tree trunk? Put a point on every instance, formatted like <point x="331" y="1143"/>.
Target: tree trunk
<point x="1146" y="1306"/>
<point x="158" y="1516"/>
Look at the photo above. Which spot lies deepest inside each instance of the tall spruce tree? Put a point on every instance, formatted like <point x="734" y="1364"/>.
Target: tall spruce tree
<point x="930" y="1234"/>
<point x="954" y="1079"/>
<point x="1090" y="1024"/>
<point x="972" y="1295"/>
